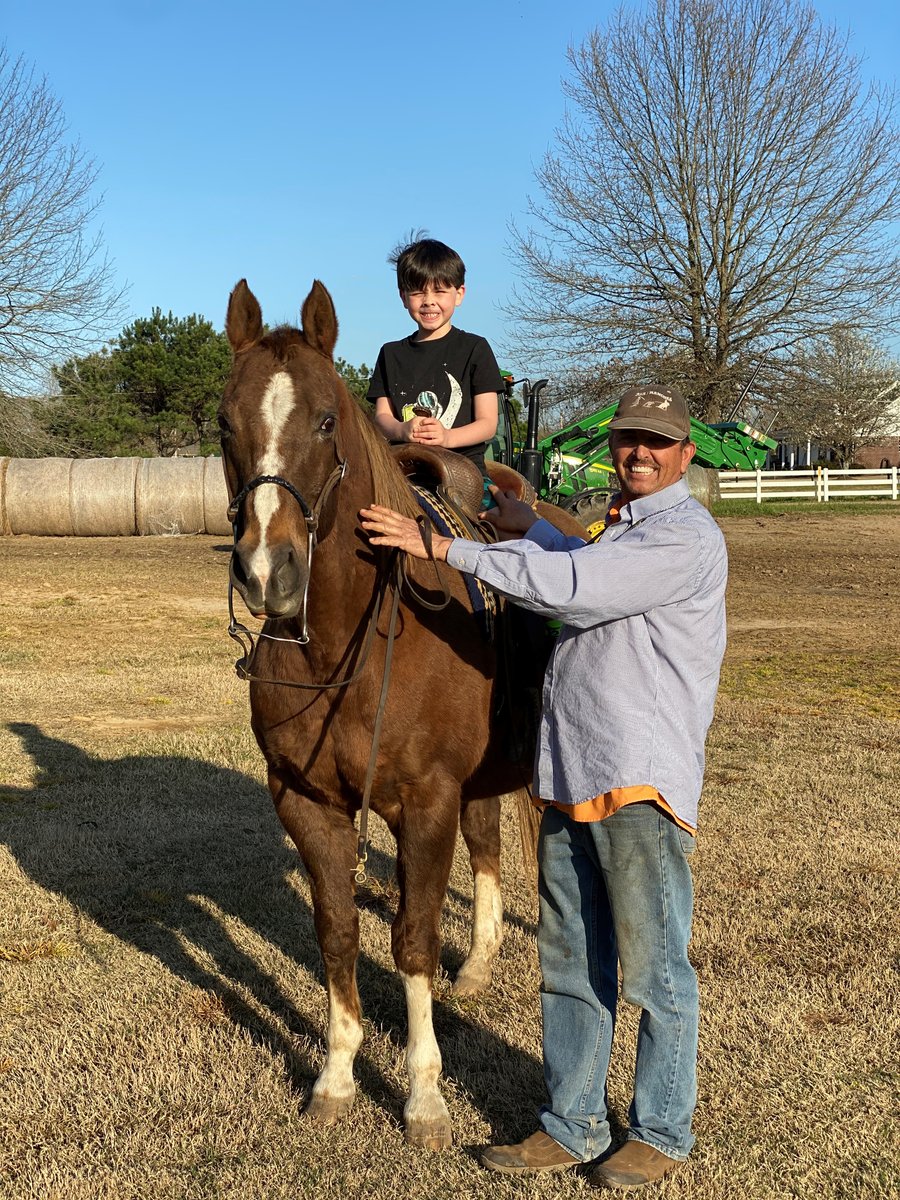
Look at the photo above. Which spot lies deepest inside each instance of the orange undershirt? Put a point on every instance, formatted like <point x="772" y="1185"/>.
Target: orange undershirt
<point x="609" y="802"/>
<point x="604" y="805"/>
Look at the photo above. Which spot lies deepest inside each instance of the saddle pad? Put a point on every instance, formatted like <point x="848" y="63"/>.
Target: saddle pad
<point x="449" y="523"/>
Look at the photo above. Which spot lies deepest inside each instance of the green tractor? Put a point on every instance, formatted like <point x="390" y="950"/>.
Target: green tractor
<point x="572" y="468"/>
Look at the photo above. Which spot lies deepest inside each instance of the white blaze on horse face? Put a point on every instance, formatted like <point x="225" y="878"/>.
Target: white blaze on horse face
<point x="275" y="409"/>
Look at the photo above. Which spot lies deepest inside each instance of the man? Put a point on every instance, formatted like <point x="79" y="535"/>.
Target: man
<point x="628" y="699"/>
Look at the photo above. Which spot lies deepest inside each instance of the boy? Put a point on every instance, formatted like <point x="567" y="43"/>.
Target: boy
<point x="439" y="386"/>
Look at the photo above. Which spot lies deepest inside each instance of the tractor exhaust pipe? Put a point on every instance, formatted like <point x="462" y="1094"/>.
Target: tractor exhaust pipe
<point x="530" y="459"/>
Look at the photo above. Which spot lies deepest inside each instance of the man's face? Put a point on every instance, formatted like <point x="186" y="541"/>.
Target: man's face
<point x="647" y="462"/>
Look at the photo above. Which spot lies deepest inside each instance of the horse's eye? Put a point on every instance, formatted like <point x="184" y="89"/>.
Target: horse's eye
<point x="224" y="427"/>
<point x="327" y="425"/>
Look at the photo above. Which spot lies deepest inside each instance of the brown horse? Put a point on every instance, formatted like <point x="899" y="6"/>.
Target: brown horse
<point x="301" y="459"/>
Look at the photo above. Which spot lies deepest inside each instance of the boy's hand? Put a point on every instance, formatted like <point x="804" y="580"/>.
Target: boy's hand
<point x="428" y="431"/>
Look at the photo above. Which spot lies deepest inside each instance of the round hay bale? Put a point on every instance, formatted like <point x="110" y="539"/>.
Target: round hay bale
<point x="36" y="496"/>
<point x="703" y="484"/>
<point x="4" y="522"/>
<point x="169" y="496"/>
<point x="715" y="491"/>
<point x="102" y="496"/>
<point x="215" y="497"/>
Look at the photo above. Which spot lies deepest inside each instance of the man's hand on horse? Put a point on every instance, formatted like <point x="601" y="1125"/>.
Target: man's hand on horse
<point x="385" y="527"/>
<point x="511" y="518"/>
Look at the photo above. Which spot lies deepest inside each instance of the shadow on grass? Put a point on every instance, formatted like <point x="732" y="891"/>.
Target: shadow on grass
<point x="162" y="851"/>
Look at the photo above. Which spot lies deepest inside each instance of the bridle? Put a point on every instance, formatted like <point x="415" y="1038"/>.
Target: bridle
<point x="395" y="579"/>
<point x="311" y="517"/>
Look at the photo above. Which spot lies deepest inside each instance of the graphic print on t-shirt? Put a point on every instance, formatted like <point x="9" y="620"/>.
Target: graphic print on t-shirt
<point x="426" y="404"/>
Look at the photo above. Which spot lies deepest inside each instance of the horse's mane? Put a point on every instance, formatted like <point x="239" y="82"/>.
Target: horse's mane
<point x="390" y="485"/>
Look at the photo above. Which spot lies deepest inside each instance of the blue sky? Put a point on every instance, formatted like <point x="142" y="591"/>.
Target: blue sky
<point x="290" y="141"/>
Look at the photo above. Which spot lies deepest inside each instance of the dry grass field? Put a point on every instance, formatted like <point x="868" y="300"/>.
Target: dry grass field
<point x="161" y="1007"/>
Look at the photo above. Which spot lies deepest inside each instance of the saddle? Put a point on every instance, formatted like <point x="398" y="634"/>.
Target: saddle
<point x="457" y="481"/>
<point x="509" y="480"/>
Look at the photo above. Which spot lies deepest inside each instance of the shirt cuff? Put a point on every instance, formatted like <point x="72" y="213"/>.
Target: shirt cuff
<point x="463" y="555"/>
<point x="545" y="535"/>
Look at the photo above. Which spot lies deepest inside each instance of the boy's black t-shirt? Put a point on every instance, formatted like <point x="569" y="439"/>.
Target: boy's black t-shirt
<point x="441" y="376"/>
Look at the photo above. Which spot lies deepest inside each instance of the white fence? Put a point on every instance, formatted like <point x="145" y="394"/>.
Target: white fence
<point x="819" y="483"/>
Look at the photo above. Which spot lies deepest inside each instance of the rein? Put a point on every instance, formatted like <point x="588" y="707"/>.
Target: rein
<point x="396" y="579"/>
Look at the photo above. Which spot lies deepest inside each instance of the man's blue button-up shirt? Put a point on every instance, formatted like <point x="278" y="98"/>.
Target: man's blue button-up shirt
<point x="631" y="685"/>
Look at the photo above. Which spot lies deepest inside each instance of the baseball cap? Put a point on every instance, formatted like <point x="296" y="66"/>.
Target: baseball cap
<point x="655" y="408"/>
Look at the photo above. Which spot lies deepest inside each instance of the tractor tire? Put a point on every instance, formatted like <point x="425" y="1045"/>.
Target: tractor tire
<point x="589" y="506"/>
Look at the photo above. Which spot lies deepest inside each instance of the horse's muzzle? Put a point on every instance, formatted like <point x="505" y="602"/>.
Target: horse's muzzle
<point x="270" y="584"/>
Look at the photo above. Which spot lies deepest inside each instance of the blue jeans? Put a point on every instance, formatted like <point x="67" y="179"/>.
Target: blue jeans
<point x="617" y="889"/>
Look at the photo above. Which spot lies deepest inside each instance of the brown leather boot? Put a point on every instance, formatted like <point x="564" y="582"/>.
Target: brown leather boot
<point x="632" y="1167"/>
<point x="538" y="1153"/>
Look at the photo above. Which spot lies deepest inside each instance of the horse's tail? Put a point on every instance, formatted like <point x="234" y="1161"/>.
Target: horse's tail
<point x="529" y="824"/>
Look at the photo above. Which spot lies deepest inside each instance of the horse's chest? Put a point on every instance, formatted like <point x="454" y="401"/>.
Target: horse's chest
<point x="316" y="736"/>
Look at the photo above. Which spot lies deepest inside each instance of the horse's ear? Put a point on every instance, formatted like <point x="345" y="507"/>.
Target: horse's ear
<point x="319" y="320"/>
<point x="243" y="322"/>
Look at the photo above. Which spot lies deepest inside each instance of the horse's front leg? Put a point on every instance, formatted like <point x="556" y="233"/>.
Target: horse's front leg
<point x="425" y="840"/>
<point x="480" y="824"/>
<point x="326" y="840"/>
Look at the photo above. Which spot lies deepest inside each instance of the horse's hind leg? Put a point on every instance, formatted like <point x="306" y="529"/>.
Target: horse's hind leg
<point x="426" y="835"/>
<point x="480" y="824"/>
<point x="326" y="841"/>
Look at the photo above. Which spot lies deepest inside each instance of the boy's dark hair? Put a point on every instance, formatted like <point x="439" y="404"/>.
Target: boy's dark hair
<point x="425" y="260"/>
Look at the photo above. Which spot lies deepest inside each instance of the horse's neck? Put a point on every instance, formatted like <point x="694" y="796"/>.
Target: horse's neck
<point x="344" y="569"/>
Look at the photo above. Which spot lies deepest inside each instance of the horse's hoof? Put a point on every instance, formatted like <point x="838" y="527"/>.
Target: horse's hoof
<point x="325" y="1110"/>
<point x="471" y="980"/>
<point x="430" y="1135"/>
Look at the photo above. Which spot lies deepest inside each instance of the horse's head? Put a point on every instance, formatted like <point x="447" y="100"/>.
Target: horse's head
<point x="279" y="422"/>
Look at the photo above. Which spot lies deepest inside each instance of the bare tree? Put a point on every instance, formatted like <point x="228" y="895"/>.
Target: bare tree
<point x="22" y="430"/>
<point x="845" y="393"/>
<point x="722" y="185"/>
<point x="55" y="283"/>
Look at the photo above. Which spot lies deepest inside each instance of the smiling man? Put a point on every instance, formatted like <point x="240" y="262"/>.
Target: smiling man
<point x="628" y="699"/>
<point x="650" y="440"/>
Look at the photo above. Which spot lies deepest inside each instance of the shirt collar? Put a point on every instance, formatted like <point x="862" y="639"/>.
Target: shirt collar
<point x="648" y="506"/>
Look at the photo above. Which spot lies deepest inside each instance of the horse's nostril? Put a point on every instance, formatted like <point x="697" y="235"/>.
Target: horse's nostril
<point x="238" y="571"/>
<point x="285" y="579"/>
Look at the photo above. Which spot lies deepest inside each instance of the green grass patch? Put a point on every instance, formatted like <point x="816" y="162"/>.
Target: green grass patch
<point x="782" y="508"/>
